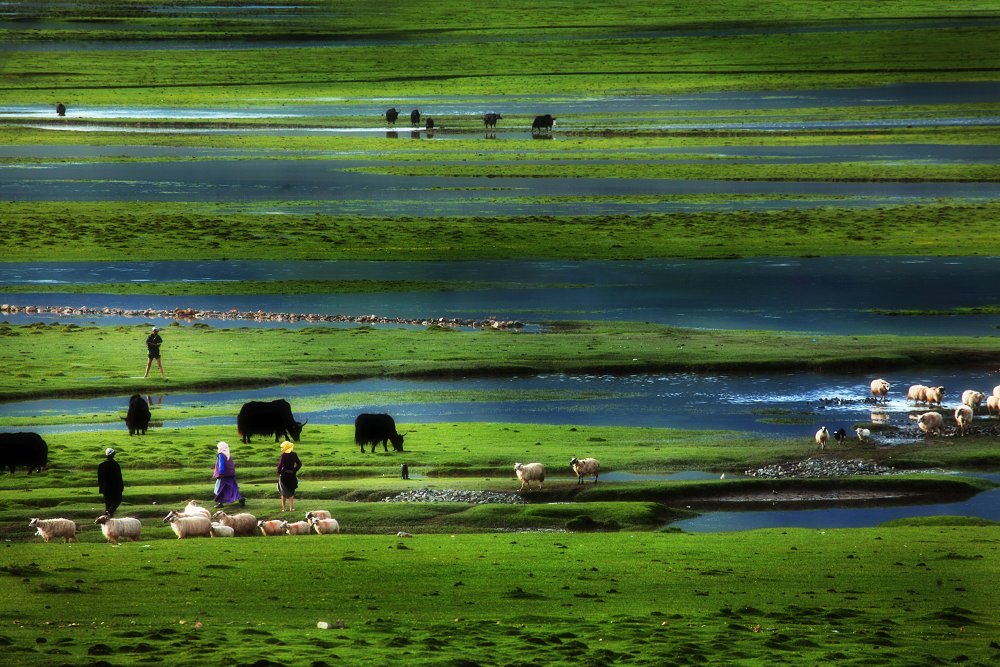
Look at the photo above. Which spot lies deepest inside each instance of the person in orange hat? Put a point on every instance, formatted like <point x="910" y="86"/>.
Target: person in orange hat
<point x="288" y="467"/>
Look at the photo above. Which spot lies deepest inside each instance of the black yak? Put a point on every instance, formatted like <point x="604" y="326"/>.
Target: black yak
<point x="371" y="429"/>
<point x="490" y="119"/>
<point x="262" y="418"/>
<point x="391" y="115"/>
<point x="415" y="117"/>
<point x="137" y="417"/>
<point x="23" y="449"/>
<point x="542" y="123"/>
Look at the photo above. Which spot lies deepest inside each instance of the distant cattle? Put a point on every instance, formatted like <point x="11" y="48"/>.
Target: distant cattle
<point x="60" y="109"/>
<point x="273" y="418"/>
<point x="137" y="417"/>
<point x="23" y="449"/>
<point x="391" y="115"/>
<point x="490" y="119"/>
<point x="371" y="429"/>
<point x="429" y="124"/>
<point x="415" y="117"/>
<point x="542" y="123"/>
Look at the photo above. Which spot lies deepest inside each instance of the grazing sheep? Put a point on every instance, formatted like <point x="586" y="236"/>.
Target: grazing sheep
<point x="188" y="526"/>
<point x="916" y="393"/>
<point x="880" y="389"/>
<point x="993" y="405"/>
<point x="930" y="423"/>
<point x="271" y="527"/>
<point x="194" y="509"/>
<point x="528" y="473"/>
<point x="325" y="526"/>
<point x="934" y="395"/>
<point x="996" y="390"/>
<point x="963" y="418"/>
<point x="863" y="434"/>
<point x="298" y="528"/>
<point x="973" y="398"/>
<point x="585" y="467"/>
<point x="318" y="514"/>
<point x="822" y="436"/>
<point x="116" y="529"/>
<point x="242" y="524"/>
<point x="840" y="435"/>
<point x="49" y="528"/>
<point x="222" y="530"/>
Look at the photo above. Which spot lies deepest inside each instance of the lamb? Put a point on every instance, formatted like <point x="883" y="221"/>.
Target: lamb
<point x="188" y="526"/>
<point x="993" y="405"/>
<point x="973" y="398"/>
<point x="242" y="523"/>
<point x="49" y="528"/>
<point x="822" y="436"/>
<point x="325" y="526"/>
<point x="930" y="423"/>
<point x="963" y="418"/>
<point x="528" y="473"/>
<point x="916" y="393"/>
<point x="298" y="528"/>
<point x="116" y="529"/>
<point x="934" y="395"/>
<point x="863" y="434"/>
<point x="318" y="514"/>
<point x="585" y="467"/>
<point x="222" y="530"/>
<point x="271" y="527"/>
<point x="880" y="389"/>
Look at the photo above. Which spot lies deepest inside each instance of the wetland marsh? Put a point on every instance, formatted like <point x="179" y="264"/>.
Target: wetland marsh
<point x="744" y="211"/>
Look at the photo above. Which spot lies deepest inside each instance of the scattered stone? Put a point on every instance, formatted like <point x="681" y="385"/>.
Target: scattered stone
<point x="453" y="496"/>
<point x="822" y="468"/>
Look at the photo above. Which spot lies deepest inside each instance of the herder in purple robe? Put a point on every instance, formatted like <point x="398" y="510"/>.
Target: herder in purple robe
<point x="227" y="491"/>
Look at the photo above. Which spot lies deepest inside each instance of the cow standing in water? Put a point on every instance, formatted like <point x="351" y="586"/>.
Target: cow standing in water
<point x="60" y="109"/>
<point x="137" y="417"/>
<point x="415" y="118"/>
<point x="391" y="115"/>
<point x="490" y="119"/>
<point x="542" y="123"/>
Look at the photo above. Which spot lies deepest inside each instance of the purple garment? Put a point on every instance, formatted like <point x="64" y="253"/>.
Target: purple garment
<point x="226" y="489"/>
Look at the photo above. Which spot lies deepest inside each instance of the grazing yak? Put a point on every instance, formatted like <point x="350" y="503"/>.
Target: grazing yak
<point x="263" y="418"/>
<point x="391" y="115"/>
<point x="137" y="417"/>
<point x="23" y="449"/>
<point x="490" y="119"/>
<point x="371" y="429"/>
<point x="60" y="109"/>
<point x="415" y="117"/>
<point x="429" y="124"/>
<point x="542" y="123"/>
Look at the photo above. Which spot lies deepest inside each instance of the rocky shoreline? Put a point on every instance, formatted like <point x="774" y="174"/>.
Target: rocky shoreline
<point x="454" y="496"/>
<point x="812" y="468"/>
<point x="193" y="314"/>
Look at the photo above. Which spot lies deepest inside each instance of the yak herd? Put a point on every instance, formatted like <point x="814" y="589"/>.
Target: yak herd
<point x="540" y="125"/>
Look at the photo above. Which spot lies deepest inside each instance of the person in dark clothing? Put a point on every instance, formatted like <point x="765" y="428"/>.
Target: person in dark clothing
<point x="404" y="471"/>
<point x="109" y="482"/>
<point x="153" y="342"/>
<point x="288" y="467"/>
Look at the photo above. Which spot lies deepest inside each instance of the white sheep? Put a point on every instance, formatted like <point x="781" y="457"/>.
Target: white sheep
<point x="973" y="398"/>
<point x="880" y="389"/>
<point x="916" y="393"/>
<point x="993" y="405"/>
<point x="934" y="395"/>
<point x="963" y="418"/>
<point x="222" y="530"/>
<point x="528" y="473"/>
<point x="242" y="524"/>
<point x="49" y="528"/>
<point x="188" y="526"/>
<point x="194" y="509"/>
<point x="584" y="468"/>
<point x="863" y="433"/>
<point x="821" y="437"/>
<point x="996" y="390"/>
<point x="298" y="528"/>
<point x="930" y="423"/>
<point x="318" y="514"/>
<point x="271" y="527"/>
<point x="125" y="527"/>
<point x="325" y="526"/>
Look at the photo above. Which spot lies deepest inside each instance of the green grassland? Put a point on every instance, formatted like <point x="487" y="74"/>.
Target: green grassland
<point x="114" y="231"/>
<point x="66" y="360"/>
<point x="883" y="596"/>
